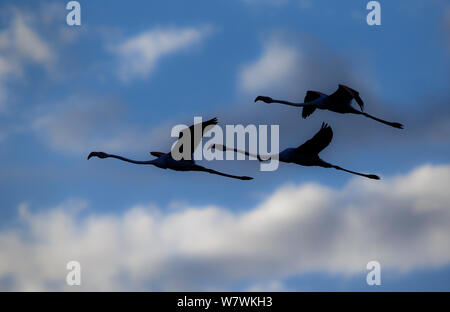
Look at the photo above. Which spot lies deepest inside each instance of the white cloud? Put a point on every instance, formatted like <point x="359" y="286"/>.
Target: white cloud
<point x="403" y="222"/>
<point x="139" y="55"/>
<point x="268" y="286"/>
<point x="28" y="43"/>
<point x="276" y="66"/>
<point x="80" y="125"/>
<point x="19" y="46"/>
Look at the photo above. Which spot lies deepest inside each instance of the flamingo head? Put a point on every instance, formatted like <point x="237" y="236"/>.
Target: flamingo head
<point x="265" y="99"/>
<point x="98" y="154"/>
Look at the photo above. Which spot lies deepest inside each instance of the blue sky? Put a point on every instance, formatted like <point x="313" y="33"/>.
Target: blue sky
<point x="130" y="72"/>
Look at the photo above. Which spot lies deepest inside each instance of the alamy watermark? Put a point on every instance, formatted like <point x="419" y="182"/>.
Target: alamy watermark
<point x="374" y="16"/>
<point x="235" y="138"/>
<point x="374" y="276"/>
<point x="73" y="278"/>
<point x="73" y="18"/>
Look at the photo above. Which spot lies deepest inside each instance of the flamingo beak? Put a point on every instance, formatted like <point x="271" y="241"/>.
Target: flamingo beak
<point x="265" y="99"/>
<point x="97" y="154"/>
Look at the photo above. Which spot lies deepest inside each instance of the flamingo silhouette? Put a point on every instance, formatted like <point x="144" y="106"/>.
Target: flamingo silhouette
<point x="339" y="102"/>
<point x="306" y="154"/>
<point x="166" y="161"/>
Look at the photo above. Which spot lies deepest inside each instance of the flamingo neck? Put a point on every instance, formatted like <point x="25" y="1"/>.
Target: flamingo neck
<point x="138" y="162"/>
<point x="289" y="103"/>
<point x="257" y="156"/>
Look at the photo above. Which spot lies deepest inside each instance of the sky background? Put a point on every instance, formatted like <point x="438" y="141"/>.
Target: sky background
<point x="131" y="71"/>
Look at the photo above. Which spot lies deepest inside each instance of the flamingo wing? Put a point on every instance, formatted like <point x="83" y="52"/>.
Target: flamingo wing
<point x="346" y="94"/>
<point x="318" y="142"/>
<point x="205" y="127"/>
<point x="312" y="95"/>
<point x="309" y="97"/>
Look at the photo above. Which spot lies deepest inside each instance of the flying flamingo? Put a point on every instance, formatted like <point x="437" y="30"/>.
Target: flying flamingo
<point x="306" y="154"/>
<point x="166" y="161"/>
<point x="339" y="102"/>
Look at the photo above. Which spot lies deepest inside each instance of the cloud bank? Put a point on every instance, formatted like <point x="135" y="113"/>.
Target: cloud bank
<point x="403" y="222"/>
